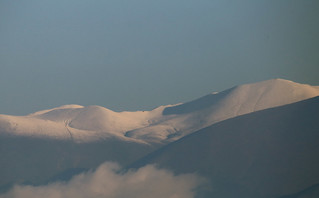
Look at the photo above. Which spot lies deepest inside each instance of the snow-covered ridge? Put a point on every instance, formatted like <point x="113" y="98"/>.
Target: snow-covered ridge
<point x="71" y="106"/>
<point x="79" y="123"/>
<point x="273" y="153"/>
<point x="165" y="123"/>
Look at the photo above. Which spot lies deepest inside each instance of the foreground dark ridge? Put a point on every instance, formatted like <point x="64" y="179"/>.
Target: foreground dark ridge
<point x="266" y="154"/>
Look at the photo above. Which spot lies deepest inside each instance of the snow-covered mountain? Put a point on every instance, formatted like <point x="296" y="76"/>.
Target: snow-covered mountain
<point x="273" y="153"/>
<point x="40" y="146"/>
<point x="180" y="120"/>
<point x="77" y="123"/>
<point x="161" y="125"/>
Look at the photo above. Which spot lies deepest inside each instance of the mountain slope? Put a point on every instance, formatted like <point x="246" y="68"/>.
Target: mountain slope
<point x="73" y="137"/>
<point x="161" y="125"/>
<point x="191" y="116"/>
<point x="36" y="161"/>
<point x="77" y="123"/>
<point x="270" y="153"/>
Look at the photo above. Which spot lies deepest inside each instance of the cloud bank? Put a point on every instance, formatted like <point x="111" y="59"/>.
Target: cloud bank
<point x="105" y="181"/>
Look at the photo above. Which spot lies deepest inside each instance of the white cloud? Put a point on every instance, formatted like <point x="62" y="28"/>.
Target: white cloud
<point x="105" y="182"/>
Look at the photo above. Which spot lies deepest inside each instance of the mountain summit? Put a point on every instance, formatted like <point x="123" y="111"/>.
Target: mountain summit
<point x="161" y="125"/>
<point x="272" y="153"/>
<point x="61" y="141"/>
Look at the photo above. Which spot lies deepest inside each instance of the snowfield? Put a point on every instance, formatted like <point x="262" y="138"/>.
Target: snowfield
<point x="273" y="153"/>
<point x="254" y="140"/>
<point x="161" y="125"/>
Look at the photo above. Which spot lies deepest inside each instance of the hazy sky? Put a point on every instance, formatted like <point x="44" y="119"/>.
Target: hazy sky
<point x="139" y="54"/>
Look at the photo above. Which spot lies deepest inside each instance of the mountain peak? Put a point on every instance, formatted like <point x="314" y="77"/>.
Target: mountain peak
<point x="166" y="123"/>
<point x="273" y="92"/>
<point x="69" y="106"/>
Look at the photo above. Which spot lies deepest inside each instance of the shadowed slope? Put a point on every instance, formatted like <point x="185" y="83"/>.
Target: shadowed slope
<point x="270" y="153"/>
<point x="75" y="137"/>
<point x="35" y="161"/>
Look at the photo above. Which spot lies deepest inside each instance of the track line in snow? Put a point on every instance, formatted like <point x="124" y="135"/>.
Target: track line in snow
<point x="67" y="128"/>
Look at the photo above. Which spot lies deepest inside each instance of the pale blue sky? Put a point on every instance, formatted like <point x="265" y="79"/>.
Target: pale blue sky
<point x="139" y="54"/>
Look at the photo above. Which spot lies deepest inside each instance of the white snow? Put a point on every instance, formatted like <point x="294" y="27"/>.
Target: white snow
<point x="189" y="117"/>
<point x="269" y="153"/>
<point x="165" y="123"/>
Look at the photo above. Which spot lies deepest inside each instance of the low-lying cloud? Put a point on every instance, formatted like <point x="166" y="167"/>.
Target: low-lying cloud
<point x="106" y="182"/>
